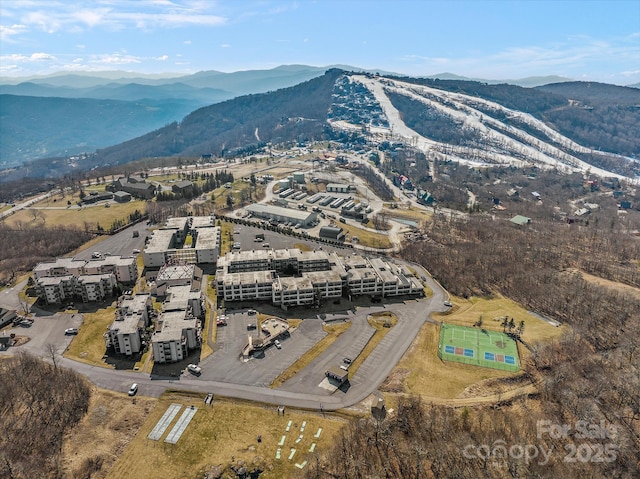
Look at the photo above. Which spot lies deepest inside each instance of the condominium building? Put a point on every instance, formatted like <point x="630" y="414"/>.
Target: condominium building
<point x="291" y="277"/>
<point x="192" y="239"/>
<point x="132" y="317"/>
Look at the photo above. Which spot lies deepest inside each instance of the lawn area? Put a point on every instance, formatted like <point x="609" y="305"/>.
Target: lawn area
<point x="92" y="215"/>
<point x="89" y="346"/>
<point x="422" y="372"/>
<point x="366" y="237"/>
<point x="223" y="432"/>
<point x="333" y="330"/>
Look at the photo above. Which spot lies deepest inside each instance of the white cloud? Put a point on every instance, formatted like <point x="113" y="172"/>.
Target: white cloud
<point x="34" y="57"/>
<point x="115" y="59"/>
<point x="225" y="45"/>
<point x="8" y="32"/>
<point x="52" y="17"/>
<point x="163" y="57"/>
<point x="187" y="42"/>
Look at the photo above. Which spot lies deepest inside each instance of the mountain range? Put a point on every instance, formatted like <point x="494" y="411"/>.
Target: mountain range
<point x="568" y="124"/>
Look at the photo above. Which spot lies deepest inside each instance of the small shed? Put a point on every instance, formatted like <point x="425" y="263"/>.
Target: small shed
<point x="122" y="196"/>
<point x="337" y="374"/>
<point x="520" y="220"/>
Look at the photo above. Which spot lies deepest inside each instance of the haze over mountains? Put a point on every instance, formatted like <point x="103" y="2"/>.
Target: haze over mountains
<point x="63" y="115"/>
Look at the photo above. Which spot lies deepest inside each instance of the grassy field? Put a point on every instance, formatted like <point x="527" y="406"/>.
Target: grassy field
<point x="365" y="237"/>
<point x="422" y="372"/>
<point x="92" y="215"/>
<point x="89" y="345"/>
<point x="333" y="330"/>
<point x="224" y="432"/>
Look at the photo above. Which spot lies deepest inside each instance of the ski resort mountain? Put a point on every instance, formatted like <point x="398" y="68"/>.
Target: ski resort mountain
<point x="569" y="126"/>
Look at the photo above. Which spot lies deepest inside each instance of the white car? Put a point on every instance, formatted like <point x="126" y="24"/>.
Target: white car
<point x="277" y="344"/>
<point x="133" y="389"/>
<point x="448" y="304"/>
<point x="136" y="251"/>
<point x="71" y="331"/>
<point x="194" y="368"/>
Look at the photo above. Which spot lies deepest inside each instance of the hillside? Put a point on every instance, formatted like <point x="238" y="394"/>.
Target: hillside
<point x="479" y="123"/>
<point x="33" y="127"/>
<point x="577" y="128"/>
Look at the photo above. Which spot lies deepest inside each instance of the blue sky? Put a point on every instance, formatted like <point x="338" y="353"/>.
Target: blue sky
<point x="505" y="39"/>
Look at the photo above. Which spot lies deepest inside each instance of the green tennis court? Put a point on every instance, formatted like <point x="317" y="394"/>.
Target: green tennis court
<point x="489" y="349"/>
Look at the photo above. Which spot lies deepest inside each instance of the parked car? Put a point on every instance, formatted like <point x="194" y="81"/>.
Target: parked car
<point x="448" y="304"/>
<point x="133" y="389"/>
<point x="266" y="245"/>
<point x="194" y="368"/>
<point x="347" y="360"/>
<point x="251" y="326"/>
<point x="252" y="312"/>
<point x="277" y="344"/>
<point x="71" y="331"/>
<point x="136" y="251"/>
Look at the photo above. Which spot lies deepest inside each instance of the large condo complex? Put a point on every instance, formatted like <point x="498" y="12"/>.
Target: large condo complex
<point x="291" y="277"/>
<point x="191" y="239"/>
<point x="94" y="280"/>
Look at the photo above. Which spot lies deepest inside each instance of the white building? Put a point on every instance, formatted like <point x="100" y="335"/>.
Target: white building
<point x="132" y="317"/>
<point x="282" y="215"/>
<point x="338" y="188"/>
<point x="170" y="242"/>
<point x="178" y="332"/>
<point x="291" y="277"/>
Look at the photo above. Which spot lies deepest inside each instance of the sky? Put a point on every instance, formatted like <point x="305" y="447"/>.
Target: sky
<point x="495" y="40"/>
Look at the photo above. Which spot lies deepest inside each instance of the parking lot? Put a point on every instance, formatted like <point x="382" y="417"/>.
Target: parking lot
<point x="46" y="332"/>
<point x="226" y="365"/>
<point x="246" y="236"/>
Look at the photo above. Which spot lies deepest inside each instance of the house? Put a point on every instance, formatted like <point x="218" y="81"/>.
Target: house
<point x="625" y="205"/>
<point x="182" y="188"/>
<point x="122" y="196"/>
<point x="424" y="197"/>
<point x="520" y="220"/>
<point x="338" y="188"/>
<point x="134" y="185"/>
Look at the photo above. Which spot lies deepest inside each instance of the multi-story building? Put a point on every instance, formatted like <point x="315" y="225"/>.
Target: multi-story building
<point x="292" y="277"/>
<point x="193" y="239"/>
<point x="132" y="317"/>
<point x="179" y="327"/>
<point x="68" y="278"/>
<point x="178" y="332"/>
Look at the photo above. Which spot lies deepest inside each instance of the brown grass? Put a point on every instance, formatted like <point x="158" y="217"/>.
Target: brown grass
<point x="223" y="432"/>
<point x="333" y="332"/>
<point x="365" y="237"/>
<point x="422" y="372"/>
<point x="111" y="423"/>
<point x="91" y="215"/>
<point x="89" y="345"/>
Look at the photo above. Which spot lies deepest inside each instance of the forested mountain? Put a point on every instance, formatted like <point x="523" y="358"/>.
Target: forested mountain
<point x="33" y="127"/>
<point x="573" y="126"/>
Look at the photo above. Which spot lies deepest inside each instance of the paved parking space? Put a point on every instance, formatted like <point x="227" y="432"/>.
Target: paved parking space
<point x="45" y="331"/>
<point x="226" y="365"/>
<point x="246" y="237"/>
